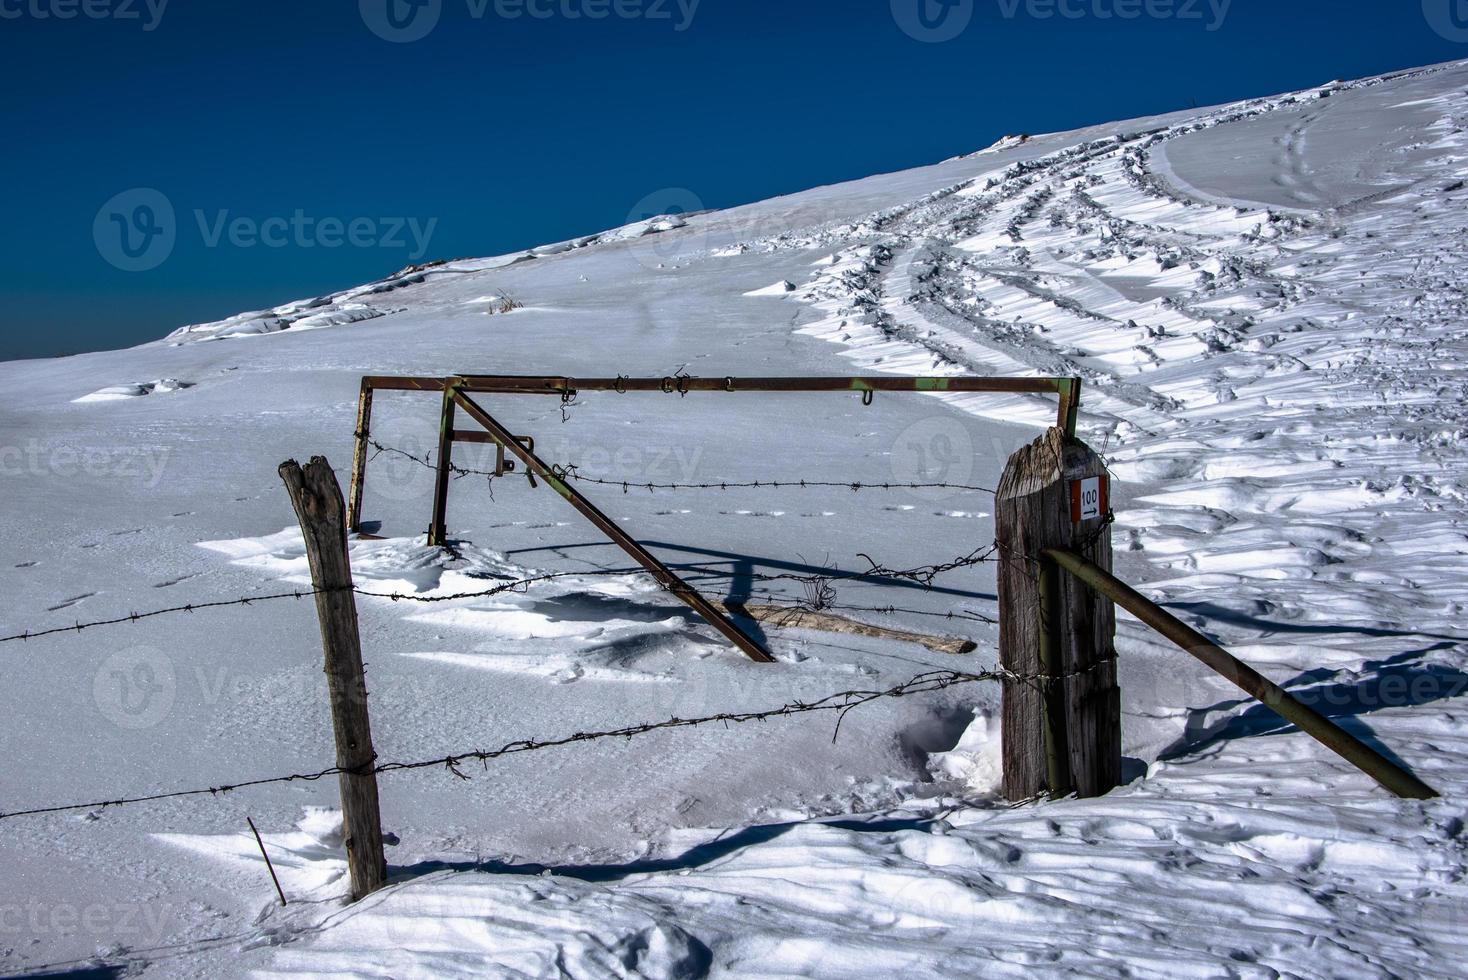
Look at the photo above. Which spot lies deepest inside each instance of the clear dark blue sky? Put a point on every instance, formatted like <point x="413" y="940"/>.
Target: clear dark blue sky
<point x="514" y="131"/>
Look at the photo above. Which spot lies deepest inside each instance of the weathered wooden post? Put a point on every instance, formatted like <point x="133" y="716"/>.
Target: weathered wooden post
<point x="317" y="499"/>
<point x="1062" y="715"/>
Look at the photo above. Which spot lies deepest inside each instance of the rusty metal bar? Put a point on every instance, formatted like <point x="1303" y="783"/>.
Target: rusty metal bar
<point x="1069" y="390"/>
<point x="397" y="383"/>
<point x="438" y="534"/>
<point x="1391" y="776"/>
<point x="665" y="575"/>
<point x="554" y="385"/>
<point x="359" y="457"/>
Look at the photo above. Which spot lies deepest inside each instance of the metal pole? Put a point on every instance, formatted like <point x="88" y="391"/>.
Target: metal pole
<point x="665" y="575"/>
<point x="1307" y="719"/>
<point x="268" y="865"/>
<point x="1052" y="659"/>
<point x="1070" y="405"/>
<point x="554" y="385"/>
<point x="359" y="458"/>
<point x="438" y="533"/>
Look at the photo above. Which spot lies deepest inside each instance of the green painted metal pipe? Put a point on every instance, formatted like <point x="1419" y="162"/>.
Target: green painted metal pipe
<point x="1070" y="404"/>
<point x="1307" y="719"/>
<point x="1052" y="686"/>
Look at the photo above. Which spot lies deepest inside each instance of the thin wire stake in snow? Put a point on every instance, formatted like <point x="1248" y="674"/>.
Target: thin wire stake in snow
<point x="268" y="864"/>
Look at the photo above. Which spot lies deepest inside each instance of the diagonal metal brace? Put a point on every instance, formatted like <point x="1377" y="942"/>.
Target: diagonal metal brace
<point x="665" y="575"/>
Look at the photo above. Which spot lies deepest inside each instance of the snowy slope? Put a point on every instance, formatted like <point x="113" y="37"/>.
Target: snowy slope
<point x="1264" y="301"/>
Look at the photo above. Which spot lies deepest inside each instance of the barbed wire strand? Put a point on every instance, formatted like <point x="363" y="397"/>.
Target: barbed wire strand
<point x="802" y="605"/>
<point x="572" y="472"/>
<point x="842" y="702"/>
<point x="924" y="575"/>
<point x="136" y="616"/>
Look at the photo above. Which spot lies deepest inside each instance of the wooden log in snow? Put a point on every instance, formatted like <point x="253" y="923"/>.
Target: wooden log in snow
<point x="793" y="617"/>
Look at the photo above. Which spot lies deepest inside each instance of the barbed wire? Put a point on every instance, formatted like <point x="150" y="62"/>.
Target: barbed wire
<point x="842" y="702"/>
<point x="628" y="486"/>
<point x="426" y="460"/>
<point x="135" y="617"/>
<point x="517" y="585"/>
<point x="805" y="605"/>
<point x="572" y="472"/>
<point x="924" y="576"/>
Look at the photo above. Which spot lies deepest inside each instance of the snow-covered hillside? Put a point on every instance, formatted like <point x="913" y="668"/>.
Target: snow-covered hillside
<point x="1266" y="302"/>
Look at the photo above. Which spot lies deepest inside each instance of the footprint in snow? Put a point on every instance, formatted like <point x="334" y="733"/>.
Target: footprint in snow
<point x="70" y="602"/>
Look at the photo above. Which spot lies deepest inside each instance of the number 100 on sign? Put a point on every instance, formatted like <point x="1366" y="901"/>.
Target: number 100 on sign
<point x="1089" y="499"/>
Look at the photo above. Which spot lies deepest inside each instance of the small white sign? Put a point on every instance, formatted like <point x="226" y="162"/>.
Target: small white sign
<point x="1088" y="502"/>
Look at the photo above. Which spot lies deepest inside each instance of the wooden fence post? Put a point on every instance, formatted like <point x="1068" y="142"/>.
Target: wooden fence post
<point x="317" y="498"/>
<point x="1062" y="717"/>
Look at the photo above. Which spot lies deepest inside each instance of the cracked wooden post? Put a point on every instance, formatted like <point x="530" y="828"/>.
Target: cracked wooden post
<point x="1062" y="717"/>
<point x="317" y="498"/>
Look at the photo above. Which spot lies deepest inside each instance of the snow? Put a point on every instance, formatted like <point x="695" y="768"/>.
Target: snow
<point x="119" y="392"/>
<point x="1265" y="301"/>
<point x="775" y="289"/>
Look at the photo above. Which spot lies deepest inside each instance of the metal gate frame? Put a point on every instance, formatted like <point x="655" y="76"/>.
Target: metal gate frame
<point x="457" y="389"/>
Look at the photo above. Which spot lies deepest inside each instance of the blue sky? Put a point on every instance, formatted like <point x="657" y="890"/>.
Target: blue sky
<point x="350" y="146"/>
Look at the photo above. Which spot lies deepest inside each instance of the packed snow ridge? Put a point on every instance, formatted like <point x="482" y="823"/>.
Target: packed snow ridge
<point x="1266" y="302"/>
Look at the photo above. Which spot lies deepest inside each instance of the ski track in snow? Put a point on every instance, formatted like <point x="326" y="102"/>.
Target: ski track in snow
<point x="1277" y="378"/>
